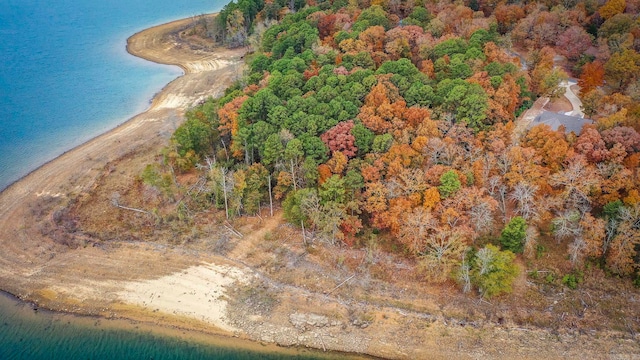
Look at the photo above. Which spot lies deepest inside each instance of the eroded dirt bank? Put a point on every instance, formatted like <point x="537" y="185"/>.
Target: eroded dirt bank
<point x="196" y="285"/>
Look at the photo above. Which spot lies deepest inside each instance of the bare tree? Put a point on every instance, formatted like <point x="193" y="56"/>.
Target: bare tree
<point x="409" y="181"/>
<point x="575" y="179"/>
<point x="576" y="250"/>
<point x="465" y="275"/>
<point x="524" y="195"/>
<point x="481" y="216"/>
<point x="415" y="229"/>
<point x="442" y="253"/>
<point x="270" y="196"/>
<point x="115" y="201"/>
<point x="442" y="152"/>
<point x="222" y="181"/>
<point x="498" y="190"/>
<point x="567" y="225"/>
<point x="504" y="161"/>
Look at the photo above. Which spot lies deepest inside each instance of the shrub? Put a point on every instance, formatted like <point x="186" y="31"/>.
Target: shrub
<point x="572" y="280"/>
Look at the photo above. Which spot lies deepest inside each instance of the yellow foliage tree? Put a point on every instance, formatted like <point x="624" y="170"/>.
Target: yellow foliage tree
<point x="431" y="198"/>
<point x="611" y="8"/>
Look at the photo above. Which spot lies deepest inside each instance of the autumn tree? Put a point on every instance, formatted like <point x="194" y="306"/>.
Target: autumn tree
<point x="228" y="115"/>
<point x="326" y="25"/>
<point x="538" y="29"/>
<point x="611" y="8"/>
<point x="591" y="77"/>
<point x="545" y="77"/>
<point x="508" y="16"/>
<point x="591" y="144"/>
<point x="340" y="138"/>
<point x="590" y="242"/>
<point x="623" y="249"/>
<point x="493" y="271"/>
<point x="385" y="111"/>
<point x="625" y="136"/>
<point x="374" y="37"/>
<point x="573" y="42"/>
<point x="622" y="68"/>
<point x="442" y="253"/>
<point x="550" y="145"/>
<point x="378" y="110"/>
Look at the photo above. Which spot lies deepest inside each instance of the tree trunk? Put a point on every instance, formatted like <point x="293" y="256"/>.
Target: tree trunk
<point x="293" y="176"/>
<point x="304" y="235"/>
<point x="246" y="152"/>
<point x="270" y="198"/>
<point x="224" y="191"/>
<point x="226" y="153"/>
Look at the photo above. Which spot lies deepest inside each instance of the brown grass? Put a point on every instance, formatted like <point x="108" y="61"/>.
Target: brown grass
<point x="561" y="104"/>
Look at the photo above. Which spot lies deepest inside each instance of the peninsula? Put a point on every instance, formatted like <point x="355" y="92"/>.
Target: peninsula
<point x="75" y="237"/>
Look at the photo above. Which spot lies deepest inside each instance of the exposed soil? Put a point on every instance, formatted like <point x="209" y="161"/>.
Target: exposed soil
<point x="67" y="247"/>
<point x="561" y="104"/>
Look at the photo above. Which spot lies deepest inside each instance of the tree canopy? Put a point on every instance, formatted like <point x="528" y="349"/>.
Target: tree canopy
<point x="400" y="120"/>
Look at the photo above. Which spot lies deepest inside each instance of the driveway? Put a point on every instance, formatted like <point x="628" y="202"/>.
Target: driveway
<point x="573" y="98"/>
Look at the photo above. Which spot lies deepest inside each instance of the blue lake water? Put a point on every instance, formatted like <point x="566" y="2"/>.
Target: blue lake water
<point x="29" y="335"/>
<point x="65" y="76"/>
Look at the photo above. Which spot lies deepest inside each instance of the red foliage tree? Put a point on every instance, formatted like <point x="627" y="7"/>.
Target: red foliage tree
<point x="625" y="136"/>
<point x="591" y="145"/>
<point x="326" y="25"/>
<point x="339" y="138"/>
<point x="573" y="42"/>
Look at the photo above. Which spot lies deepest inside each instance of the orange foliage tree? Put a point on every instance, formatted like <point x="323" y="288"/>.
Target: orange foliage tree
<point x="591" y="77"/>
<point x="228" y="115"/>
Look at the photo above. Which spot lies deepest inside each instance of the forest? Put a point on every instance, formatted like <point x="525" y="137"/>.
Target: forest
<point x="398" y="122"/>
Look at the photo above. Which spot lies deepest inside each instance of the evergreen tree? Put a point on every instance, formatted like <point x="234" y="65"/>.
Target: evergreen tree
<point x="513" y="235"/>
